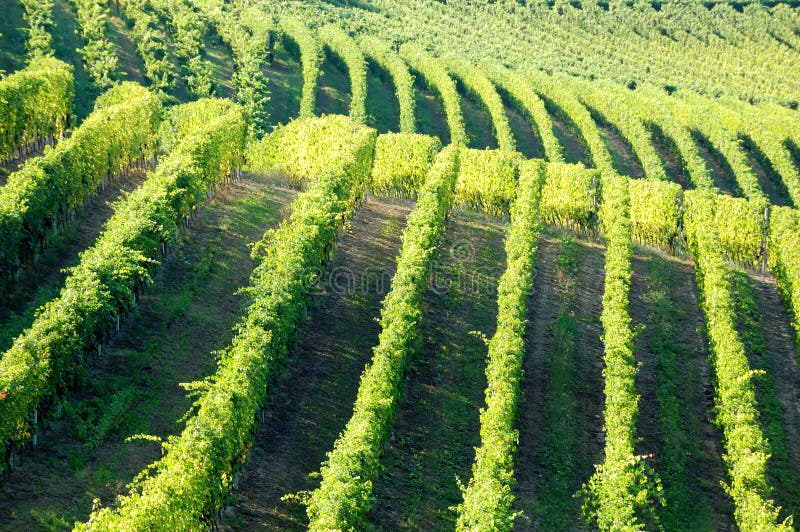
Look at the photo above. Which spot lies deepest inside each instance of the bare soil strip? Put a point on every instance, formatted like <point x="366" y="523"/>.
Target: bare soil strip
<point x="314" y="397"/>
<point x="561" y="412"/>
<point x="674" y="382"/>
<point x="437" y="424"/>
<point x="133" y="387"/>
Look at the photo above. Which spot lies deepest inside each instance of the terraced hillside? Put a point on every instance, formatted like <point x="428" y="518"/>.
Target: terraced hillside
<point x="399" y="265"/>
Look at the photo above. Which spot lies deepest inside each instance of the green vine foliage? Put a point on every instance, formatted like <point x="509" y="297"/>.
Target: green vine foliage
<point x="488" y="498"/>
<point x="401" y="163"/>
<point x="345" y="494"/>
<point x="478" y="84"/>
<point x="35" y="102"/>
<point x="300" y="150"/>
<point x="403" y="81"/>
<point x="194" y="477"/>
<point x="40" y="195"/>
<point x="783" y="251"/>
<point x="487" y="180"/>
<point x="569" y="197"/>
<point x="44" y="359"/>
<point x="656" y="213"/>
<point x="560" y="92"/>
<point x="247" y="32"/>
<point x="438" y="79"/>
<point x="150" y="44"/>
<point x="38" y="17"/>
<point x="746" y="449"/>
<point x="621" y="493"/>
<point x="98" y="53"/>
<point x="310" y="58"/>
<point x="741" y="227"/>
<point x="532" y="107"/>
<point x="341" y="44"/>
<point x="188" y="30"/>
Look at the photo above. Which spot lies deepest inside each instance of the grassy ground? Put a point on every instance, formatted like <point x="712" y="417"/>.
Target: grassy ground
<point x="720" y="170"/>
<point x="133" y="387"/>
<point x="383" y="109"/>
<point x="437" y="424"/>
<point x="560" y="419"/>
<point x="768" y="179"/>
<point x="674" y="383"/>
<point x="66" y="42"/>
<point x="314" y="398"/>
<point x="285" y="86"/>
<point x="333" y="91"/>
<point x="429" y="112"/>
<point x="529" y="143"/>
<point x="130" y="64"/>
<point x="477" y="123"/>
<point x="574" y="148"/>
<point x="623" y="158"/>
<point x="671" y="159"/>
<point x="12" y="36"/>
<point x="221" y="61"/>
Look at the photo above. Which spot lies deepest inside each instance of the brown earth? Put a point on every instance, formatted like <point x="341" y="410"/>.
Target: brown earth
<point x="437" y="424"/>
<point x="315" y="396"/>
<point x="180" y="320"/>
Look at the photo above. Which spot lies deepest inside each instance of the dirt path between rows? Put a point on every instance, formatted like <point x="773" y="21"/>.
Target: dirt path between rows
<point x="561" y="409"/>
<point x="314" y="397"/>
<point x="437" y="424"/>
<point x="676" y="405"/>
<point x="43" y="280"/>
<point x="186" y="314"/>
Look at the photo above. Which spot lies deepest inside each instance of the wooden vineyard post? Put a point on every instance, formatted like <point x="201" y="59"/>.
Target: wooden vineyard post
<point x="764" y="241"/>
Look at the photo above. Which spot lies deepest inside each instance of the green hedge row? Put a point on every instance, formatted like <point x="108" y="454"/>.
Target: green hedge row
<point x="746" y="449"/>
<point x="310" y="58"/>
<point x="783" y="247"/>
<point x="247" y="33"/>
<point x="439" y="80"/>
<point x="559" y="92"/>
<point x="341" y="44"/>
<point x="403" y="81"/>
<point x="763" y="128"/>
<point x="571" y="193"/>
<point x="47" y="189"/>
<point x="488" y="498"/>
<point x="656" y="213"/>
<point x="487" y="180"/>
<point x="188" y="30"/>
<point x="345" y="494"/>
<point x="478" y="84"/>
<point x="300" y="150"/>
<point x="702" y="116"/>
<point x="40" y="195"/>
<point x="619" y="495"/>
<point x="623" y="117"/>
<point x="43" y="360"/>
<point x="38" y="18"/>
<point x="194" y="477"/>
<point x="529" y="103"/>
<point x="652" y="110"/>
<point x="98" y="53"/>
<point x="401" y="163"/>
<point x="35" y="102"/>
<point x="150" y="43"/>
<point x="570" y="197"/>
